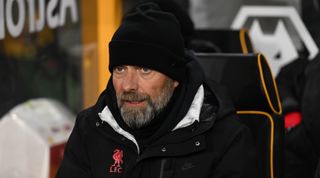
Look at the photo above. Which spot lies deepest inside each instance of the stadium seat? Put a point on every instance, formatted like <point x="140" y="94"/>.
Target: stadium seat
<point x="226" y="41"/>
<point x="249" y="82"/>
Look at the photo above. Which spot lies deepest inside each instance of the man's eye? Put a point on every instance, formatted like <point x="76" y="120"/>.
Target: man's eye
<point x="145" y="70"/>
<point x="119" y="69"/>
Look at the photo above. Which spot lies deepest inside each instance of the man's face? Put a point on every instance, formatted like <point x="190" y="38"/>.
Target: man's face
<point x="141" y="93"/>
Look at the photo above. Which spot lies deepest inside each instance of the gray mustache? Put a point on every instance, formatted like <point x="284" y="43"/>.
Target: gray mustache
<point x="134" y="97"/>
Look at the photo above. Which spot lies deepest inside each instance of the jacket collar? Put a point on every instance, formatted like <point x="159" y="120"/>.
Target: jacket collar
<point x="193" y="113"/>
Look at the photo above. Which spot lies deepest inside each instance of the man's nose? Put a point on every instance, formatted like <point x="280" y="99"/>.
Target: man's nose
<point x="130" y="82"/>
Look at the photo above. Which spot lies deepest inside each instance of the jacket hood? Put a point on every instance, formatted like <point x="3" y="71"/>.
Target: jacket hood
<point x="192" y="116"/>
<point x="181" y="105"/>
<point x="177" y="108"/>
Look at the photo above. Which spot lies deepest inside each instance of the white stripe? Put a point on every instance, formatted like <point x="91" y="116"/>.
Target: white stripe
<point x="194" y="110"/>
<point x="107" y="116"/>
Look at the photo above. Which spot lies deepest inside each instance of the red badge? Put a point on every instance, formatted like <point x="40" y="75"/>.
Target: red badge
<point x="116" y="166"/>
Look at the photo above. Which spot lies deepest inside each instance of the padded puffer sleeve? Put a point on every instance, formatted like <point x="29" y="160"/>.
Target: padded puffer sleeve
<point x="75" y="161"/>
<point x="239" y="159"/>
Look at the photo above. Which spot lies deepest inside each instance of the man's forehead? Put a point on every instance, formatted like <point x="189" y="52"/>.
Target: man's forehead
<point x="137" y="67"/>
<point x="141" y="67"/>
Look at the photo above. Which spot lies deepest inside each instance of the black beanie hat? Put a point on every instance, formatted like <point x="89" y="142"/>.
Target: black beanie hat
<point x="186" y="23"/>
<point x="151" y="38"/>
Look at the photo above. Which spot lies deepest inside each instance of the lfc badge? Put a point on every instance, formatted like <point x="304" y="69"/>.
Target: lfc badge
<point x="116" y="166"/>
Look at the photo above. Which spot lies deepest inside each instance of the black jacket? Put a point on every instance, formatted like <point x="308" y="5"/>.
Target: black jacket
<point x="216" y="145"/>
<point x="299" y="84"/>
<point x="317" y="175"/>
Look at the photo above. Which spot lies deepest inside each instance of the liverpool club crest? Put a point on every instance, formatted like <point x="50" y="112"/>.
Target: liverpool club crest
<point x="116" y="166"/>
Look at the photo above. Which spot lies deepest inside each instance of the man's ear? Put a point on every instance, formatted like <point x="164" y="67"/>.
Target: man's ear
<point x="175" y="84"/>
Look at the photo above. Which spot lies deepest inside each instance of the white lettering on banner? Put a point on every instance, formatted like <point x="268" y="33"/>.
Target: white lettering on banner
<point x="36" y="17"/>
<point x="41" y="21"/>
<point x="1" y="20"/>
<point x="15" y="29"/>
<point x="53" y="20"/>
<point x="31" y="16"/>
<point x="36" y="26"/>
<point x="64" y="5"/>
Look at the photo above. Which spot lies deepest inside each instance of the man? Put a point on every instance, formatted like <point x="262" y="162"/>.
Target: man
<point x="157" y="117"/>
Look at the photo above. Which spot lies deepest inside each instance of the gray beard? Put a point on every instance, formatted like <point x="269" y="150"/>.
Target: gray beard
<point x="140" y="117"/>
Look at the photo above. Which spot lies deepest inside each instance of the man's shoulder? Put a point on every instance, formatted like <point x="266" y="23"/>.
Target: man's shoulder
<point x="227" y="131"/>
<point x="218" y="103"/>
<point x="86" y="117"/>
<point x="85" y="113"/>
<point x="226" y="125"/>
<point x="231" y="123"/>
<point x="217" y="95"/>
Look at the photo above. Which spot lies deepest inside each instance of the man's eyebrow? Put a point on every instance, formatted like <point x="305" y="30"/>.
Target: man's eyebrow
<point x="141" y="67"/>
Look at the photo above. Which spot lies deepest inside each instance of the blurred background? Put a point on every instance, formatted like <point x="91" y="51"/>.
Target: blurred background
<point x="58" y="51"/>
